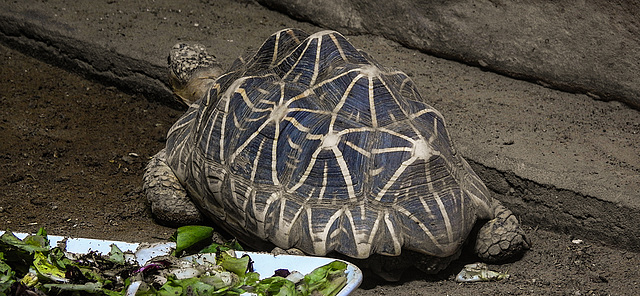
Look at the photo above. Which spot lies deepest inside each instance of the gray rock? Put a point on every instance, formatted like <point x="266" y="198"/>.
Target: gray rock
<point x="590" y="47"/>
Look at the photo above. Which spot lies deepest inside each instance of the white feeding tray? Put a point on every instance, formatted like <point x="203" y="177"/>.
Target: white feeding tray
<point x="263" y="263"/>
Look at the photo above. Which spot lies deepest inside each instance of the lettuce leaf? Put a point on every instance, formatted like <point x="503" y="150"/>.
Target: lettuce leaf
<point x="7" y="276"/>
<point x="190" y="237"/>
<point x="327" y="280"/>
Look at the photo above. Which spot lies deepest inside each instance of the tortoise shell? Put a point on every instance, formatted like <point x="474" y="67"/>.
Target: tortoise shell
<point x="310" y="143"/>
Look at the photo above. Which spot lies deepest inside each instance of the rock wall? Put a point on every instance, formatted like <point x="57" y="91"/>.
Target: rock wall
<point x="590" y="47"/>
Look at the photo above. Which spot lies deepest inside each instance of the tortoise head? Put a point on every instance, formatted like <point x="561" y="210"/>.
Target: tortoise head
<point x="192" y="71"/>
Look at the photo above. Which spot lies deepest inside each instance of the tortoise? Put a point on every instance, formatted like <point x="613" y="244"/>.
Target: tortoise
<point x="309" y="143"/>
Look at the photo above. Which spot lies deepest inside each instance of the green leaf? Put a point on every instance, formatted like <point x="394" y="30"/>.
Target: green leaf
<point x="221" y="280"/>
<point x="328" y="279"/>
<point x="188" y="237"/>
<point x="30" y="244"/>
<point x="46" y="269"/>
<point x="58" y="258"/>
<point x="275" y="286"/>
<point x="42" y="232"/>
<point x="30" y="279"/>
<point x="250" y="279"/>
<point x="82" y="289"/>
<point x="180" y="287"/>
<point x="167" y="290"/>
<point x="7" y="276"/>
<point x="90" y="287"/>
<point x="37" y="241"/>
<point x="19" y="253"/>
<point x="238" y="266"/>
<point x="116" y="255"/>
<point x="215" y="247"/>
<point x="234" y="245"/>
<point x="202" y="288"/>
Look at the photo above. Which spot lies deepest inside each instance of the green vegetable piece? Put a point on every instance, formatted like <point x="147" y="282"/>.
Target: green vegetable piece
<point x="190" y="236"/>
<point x="18" y="253"/>
<point x="250" y="279"/>
<point x="221" y="280"/>
<point x="234" y="245"/>
<point x="169" y="290"/>
<point x="215" y="247"/>
<point x="37" y="241"/>
<point x="116" y="255"/>
<point x="87" y="288"/>
<point x="479" y="272"/>
<point x="46" y="269"/>
<point x="238" y="266"/>
<point x="189" y="286"/>
<point x="58" y="258"/>
<point x="333" y="286"/>
<point x="201" y="288"/>
<point x="30" y="279"/>
<point x="276" y="286"/>
<point x="30" y="244"/>
<point x="91" y="287"/>
<point x="42" y="232"/>
<point x="328" y="279"/>
<point x="7" y="276"/>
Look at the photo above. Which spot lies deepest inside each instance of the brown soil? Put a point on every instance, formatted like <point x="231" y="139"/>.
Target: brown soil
<point x="72" y="155"/>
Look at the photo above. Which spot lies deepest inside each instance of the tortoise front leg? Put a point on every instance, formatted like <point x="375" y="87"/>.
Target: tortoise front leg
<point x="169" y="201"/>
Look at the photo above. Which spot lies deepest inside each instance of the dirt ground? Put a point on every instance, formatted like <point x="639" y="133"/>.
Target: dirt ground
<point x="72" y="153"/>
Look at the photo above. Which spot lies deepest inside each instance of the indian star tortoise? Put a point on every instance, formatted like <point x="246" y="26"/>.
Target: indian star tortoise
<point x="309" y="143"/>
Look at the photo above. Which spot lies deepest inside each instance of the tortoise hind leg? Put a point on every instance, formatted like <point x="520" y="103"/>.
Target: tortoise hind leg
<point x="501" y="238"/>
<point x="170" y="204"/>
